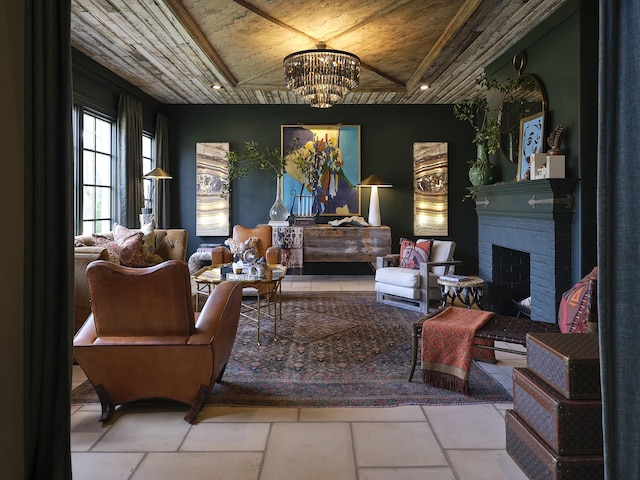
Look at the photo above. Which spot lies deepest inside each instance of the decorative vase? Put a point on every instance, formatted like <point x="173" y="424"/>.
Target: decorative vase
<point x="278" y="211"/>
<point x="482" y="172"/>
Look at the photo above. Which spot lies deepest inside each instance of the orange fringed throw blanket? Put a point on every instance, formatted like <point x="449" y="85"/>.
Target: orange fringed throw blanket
<point x="447" y="347"/>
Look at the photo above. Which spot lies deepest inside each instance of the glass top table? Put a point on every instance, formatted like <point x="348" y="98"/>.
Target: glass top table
<point x="268" y="292"/>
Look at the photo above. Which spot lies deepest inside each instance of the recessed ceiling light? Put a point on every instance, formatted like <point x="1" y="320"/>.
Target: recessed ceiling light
<point x="424" y="87"/>
<point x="217" y="87"/>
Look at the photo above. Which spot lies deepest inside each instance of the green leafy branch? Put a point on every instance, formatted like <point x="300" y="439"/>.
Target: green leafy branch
<point x="251" y="158"/>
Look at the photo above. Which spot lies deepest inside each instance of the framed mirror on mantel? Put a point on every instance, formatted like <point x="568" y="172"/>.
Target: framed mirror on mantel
<point x="528" y="98"/>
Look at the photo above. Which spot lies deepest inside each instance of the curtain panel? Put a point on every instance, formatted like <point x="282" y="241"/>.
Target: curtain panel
<point x="618" y="218"/>
<point x="48" y="247"/>
<point x="129" y="161"/>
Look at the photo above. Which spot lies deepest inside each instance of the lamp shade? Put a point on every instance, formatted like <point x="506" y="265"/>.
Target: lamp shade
<point x="374" y="180"/>
<point x="158" y="174"/>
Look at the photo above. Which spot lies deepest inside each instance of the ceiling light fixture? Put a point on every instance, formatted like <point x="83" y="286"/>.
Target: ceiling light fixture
<point x="322" y="76"/>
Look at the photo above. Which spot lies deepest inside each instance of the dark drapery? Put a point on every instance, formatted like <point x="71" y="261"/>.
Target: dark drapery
<point x="162" y="161"/>
<point x="618" y="232"/>
<point x="48" y="261"/>
<point x="129" y="163"/>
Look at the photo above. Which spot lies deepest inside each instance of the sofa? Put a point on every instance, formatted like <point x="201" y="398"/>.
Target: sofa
<point x="161" y="245"/>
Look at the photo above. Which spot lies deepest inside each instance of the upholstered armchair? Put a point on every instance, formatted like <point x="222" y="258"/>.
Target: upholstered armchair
<point x="414" y="288"/>
<point x="264" y="247"/>
<point x="143" y="340"/>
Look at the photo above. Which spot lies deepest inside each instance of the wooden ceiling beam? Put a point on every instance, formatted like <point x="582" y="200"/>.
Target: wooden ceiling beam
<point x="192" y="27"/>
<point x="457" y="22"/>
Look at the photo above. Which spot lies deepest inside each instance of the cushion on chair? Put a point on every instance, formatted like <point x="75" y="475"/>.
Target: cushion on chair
<point x="398" y="291"/>
<point x="441" y="251"/>
<point x="402" y="277"/>
<point x="412" y="254"/>
<point x="577" y="312"/>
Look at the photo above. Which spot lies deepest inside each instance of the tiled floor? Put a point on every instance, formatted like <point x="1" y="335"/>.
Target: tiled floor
<point x="400" y="443"/>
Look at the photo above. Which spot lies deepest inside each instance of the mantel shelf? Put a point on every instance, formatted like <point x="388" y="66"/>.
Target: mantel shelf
<point x="546" y="198"/>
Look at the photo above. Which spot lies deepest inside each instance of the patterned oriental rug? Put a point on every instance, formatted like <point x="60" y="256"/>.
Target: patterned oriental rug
<point x="333" y="350"/>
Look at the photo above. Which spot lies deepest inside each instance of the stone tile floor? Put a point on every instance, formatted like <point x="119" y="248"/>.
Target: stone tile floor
<point x="399" y="443"/>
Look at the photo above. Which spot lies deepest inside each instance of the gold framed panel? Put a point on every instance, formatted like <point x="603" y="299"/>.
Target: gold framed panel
<point x="212" y="171"/>
<point x="430" y="189"/>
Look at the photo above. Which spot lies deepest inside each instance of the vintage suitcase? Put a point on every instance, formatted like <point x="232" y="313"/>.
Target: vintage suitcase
<point x="539" y="462"/>
<point x="569" y="362"/>
<point x="569" y="427"/>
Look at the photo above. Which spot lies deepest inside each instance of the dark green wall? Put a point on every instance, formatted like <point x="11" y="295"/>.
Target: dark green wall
<point x="563" y="54"/>
<point x="387" y="136"/>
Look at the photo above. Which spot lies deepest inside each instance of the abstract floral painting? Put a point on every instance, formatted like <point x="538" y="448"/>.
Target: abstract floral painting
<point x="212" y="211"/>
<point x="430" y="189"/>
<point x="322" y="167"/>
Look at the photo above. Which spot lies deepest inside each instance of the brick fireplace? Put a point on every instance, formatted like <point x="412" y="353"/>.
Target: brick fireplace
<point x="524" y="244"/>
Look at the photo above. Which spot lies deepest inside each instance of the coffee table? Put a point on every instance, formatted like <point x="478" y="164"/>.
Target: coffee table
<point x="268" y="292"/>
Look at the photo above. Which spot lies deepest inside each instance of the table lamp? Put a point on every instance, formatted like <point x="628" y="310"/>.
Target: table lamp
<point x="373" y="182"/>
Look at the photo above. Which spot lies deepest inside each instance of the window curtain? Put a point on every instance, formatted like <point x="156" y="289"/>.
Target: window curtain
<point x="129" y="161"/>
<point x="48" y="248"/>
<point x="618" y="218"/>
<point x="162" y="161"/>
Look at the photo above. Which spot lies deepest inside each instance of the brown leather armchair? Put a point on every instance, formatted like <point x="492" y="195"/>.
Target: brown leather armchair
<point x="144" y="341"/>
<point x="271" y="254"/>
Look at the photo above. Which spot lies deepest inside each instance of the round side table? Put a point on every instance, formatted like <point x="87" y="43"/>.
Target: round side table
<point x="467" y="290"/>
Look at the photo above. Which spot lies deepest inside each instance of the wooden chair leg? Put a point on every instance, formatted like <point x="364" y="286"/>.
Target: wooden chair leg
<point x="197" y="404"/>
<point x="219" y="379"/>
<point x="108" y="408"/>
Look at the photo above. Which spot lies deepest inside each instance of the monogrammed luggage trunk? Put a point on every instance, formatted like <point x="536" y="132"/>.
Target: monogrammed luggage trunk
<point x="569" y="362"/>
<point x="568" y="427"/>
<point x="539" y="462"/>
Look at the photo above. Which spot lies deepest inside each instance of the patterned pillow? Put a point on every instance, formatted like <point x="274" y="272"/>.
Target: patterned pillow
<point x="110" y="245"/>
<point x="413" y="254"/>
<point x="578" y="311"/>
<point x="125" y="248"/>
<point x="237" y="246"/>
<point x="148" y="241"/>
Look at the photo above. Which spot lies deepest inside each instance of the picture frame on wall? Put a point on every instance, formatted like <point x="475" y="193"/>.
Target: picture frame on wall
<point x="212" y="172"/>
<point x="322" y="169"/>
<point x="430" y="189"/>
<point x="531" y="141"/>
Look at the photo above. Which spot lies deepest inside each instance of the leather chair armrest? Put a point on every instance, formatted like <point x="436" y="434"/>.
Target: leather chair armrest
<point x="215" y="313"/>
<point x="272" y="255"/>
<point x="87" y="334"/>
<point x="220" y="256"/>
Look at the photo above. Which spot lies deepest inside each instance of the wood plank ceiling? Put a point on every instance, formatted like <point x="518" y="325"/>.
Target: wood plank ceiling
<point x="231" y="51"/>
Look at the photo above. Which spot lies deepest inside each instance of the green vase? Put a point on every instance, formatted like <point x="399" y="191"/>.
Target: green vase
<point x="482" y="172"/>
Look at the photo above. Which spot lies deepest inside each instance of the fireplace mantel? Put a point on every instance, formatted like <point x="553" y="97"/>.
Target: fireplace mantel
<point x="534" y="217"/>
<point x="546" y="198"/>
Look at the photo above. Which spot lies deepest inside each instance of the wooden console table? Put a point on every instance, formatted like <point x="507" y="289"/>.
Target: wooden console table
<point x="324" y="243"/>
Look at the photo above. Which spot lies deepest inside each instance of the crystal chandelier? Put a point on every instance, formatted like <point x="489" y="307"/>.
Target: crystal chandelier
<point x="322" y="76"/>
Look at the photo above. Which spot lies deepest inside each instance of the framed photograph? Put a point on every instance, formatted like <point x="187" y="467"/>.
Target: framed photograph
<point x="531" y="141"/>
<point x="322" y="169"/>
<point x="212" y="211"/>
<point x="430" y="189"/>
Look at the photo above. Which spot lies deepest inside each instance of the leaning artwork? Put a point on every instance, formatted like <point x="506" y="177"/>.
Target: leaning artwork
<point x="322" y="169"/>
<point x="212" y="209"/>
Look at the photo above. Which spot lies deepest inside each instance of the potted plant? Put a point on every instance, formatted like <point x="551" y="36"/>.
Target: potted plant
<point x="251" y="158"/>
<point x="479" y="113"/>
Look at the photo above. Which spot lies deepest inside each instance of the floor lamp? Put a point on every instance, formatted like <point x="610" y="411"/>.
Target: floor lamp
<point x="156" y="175"/>
<point x="373" y="182"/>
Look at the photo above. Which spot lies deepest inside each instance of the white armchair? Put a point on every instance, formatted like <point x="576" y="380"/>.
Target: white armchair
<point x="414" y="289"/>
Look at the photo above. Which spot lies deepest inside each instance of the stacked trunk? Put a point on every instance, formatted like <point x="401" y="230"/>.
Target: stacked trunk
<point x="555" y="429"/>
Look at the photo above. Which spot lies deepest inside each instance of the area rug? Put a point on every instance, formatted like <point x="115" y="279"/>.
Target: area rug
<point x="333" y="350"/>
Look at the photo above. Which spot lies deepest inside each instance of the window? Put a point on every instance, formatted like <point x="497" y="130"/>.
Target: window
<point x="96" y="172"/>
<point x="147" y="166"/>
